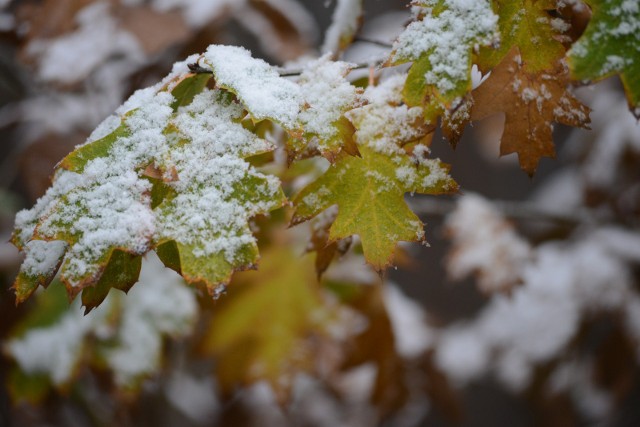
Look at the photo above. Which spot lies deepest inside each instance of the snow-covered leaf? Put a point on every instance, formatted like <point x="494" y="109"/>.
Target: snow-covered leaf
<point x="611" y="45"/>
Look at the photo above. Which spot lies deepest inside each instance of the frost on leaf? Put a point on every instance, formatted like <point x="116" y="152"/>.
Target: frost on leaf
<point x="327" y="96"/>
<point x="169" y="166"/>
<point x="530" y="102"/>
<point x="611" y="45"/>
<point x="267" y="326"/>
<point x="441" y="43"/>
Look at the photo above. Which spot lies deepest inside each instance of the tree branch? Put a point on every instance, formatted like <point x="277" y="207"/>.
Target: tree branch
<point x="527" y="211"/>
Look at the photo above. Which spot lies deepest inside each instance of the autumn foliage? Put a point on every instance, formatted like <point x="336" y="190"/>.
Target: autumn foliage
<point x="280" y="196"/>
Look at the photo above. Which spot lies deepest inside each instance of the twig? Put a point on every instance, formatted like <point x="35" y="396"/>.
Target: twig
<point x="513" y="210"/>
<point x="298" y="71"/>
<point x="373" y="41"/>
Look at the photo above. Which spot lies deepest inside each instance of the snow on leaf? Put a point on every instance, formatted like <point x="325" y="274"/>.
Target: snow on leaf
<point x="369" y="192"/>
<point x="529" y="26"/>
<point x="172" y="170"/>
<point x="611" y="45"/>
<point x="263" y="328"/>
<point x="259" y="87"/>
<point x="216" y="192"/>
<point x="42" y="260"/>
<point x="530" y="102"/>
<point x="386" y="123"/>
<point x="126" y="333"/>
<point x="440" y="42"/>
<point x="327" y="96"/>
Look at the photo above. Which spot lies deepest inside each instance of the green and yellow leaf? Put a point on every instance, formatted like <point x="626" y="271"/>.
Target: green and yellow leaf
<point x="610" y="45"/>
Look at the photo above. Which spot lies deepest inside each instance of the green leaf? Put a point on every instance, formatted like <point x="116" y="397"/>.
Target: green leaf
<point x="327" y="97"/>
<point x="264" y="328"/>
<point x="78" y="158"/>
<point x="610" y="45"/>
<point x="189" y="86"/>
<point x="42" y="260"/>
<point x="528" y="26"/>
<point x="121" y="273"/>
<point x="369" y="192"/>
<point x="441" y="48"/>
<point x="30" y="388"/>
<point x="174" y="170"/>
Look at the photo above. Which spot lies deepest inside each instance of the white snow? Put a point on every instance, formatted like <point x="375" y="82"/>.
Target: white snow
<point x="484" y="243"/>
<point x="157" y="305"/>
<point x="73" y="56"/>
<point x="258" y="85"/>
<point x="447" y="38"/>
<point x="327" y="96"/>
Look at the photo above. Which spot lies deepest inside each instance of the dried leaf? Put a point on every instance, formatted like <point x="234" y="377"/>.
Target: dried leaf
<point x="530" y="102"/>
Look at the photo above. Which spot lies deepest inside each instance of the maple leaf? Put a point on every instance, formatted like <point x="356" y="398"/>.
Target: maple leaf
<point x="143" y="181"/>
<point x="319" y="243"/>
<point x="263" y="328"/>
<point x="265" y="94"/>
<point x="528" y="26"/>
<point x="530" y="102"/>
<point x="441" y="43"/>
<point x="610" y="45"/>
<point x="369" y="192"/>
<point x="328" y="96"/>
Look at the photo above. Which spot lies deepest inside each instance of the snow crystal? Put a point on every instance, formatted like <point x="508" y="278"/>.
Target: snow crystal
<point x="447" y="38"/>
<point x="616" y="131"/>
<point x="258" y="85"/>
<point x="55" y="350"/>
<point x="540" y="318"/>
<point x="194" y="397"/>
<point x="462" y="354"/>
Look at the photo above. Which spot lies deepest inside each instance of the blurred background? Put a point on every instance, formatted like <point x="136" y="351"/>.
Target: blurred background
<point x="559" y="348"/>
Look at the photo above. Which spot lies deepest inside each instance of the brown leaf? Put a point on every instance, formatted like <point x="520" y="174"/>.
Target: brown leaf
<point x="377" y="344"/>
<point x="320" y="244"/>
<point x="531" y="102"/>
